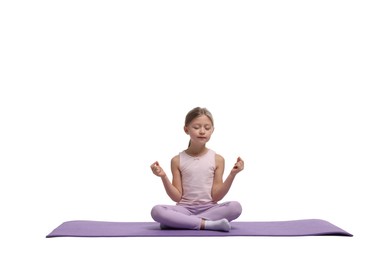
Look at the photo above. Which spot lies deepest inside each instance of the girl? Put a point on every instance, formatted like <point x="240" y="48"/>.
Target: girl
<point x="197" y="185"/>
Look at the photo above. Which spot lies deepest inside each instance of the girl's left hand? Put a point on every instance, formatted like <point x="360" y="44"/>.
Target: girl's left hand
<point x="238" y="166"/>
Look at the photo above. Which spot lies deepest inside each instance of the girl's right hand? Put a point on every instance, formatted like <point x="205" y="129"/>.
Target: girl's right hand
<point x="157" y="170"/>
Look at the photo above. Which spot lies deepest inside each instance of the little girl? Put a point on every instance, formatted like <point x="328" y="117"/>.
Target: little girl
<point x="197" y="184"/>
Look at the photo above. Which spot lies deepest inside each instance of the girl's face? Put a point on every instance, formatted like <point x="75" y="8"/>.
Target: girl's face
<point x="200" y="130"/>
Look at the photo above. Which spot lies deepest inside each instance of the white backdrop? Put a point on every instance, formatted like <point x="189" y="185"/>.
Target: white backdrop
<point x="93" y="92"/>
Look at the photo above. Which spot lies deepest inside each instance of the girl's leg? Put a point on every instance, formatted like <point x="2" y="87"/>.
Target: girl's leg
<point x="175" y="216"/>
<point x="230" y="210"/>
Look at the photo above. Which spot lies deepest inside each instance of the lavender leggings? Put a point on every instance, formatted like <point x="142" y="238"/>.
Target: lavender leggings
<point x="190" y="217"/>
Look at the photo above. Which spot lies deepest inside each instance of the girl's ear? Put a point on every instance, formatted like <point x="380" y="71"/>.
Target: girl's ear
<point x="185" y="129"/>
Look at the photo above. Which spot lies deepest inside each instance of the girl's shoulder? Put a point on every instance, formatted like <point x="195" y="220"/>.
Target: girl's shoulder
<point x="175" y="162"/>
<point x="219" y="158"/>
<point x="175" y="158"/>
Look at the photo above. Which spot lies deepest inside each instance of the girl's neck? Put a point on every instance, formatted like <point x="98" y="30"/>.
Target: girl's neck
<point x="196" y="151"/>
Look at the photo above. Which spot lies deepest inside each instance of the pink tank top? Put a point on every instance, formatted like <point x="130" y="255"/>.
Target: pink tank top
<point x="197" y="175"/>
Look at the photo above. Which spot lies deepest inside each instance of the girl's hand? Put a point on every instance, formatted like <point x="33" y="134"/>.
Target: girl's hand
<point x="157" y="170"/>
<point x="238" y="166"/>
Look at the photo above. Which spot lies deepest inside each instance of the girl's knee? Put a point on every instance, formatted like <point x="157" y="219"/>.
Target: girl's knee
<point x="156" y="212"/>
<point x="236" y="208"/>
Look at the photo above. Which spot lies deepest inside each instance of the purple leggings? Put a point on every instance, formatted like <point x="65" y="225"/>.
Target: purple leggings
<point x="189" y="217"/>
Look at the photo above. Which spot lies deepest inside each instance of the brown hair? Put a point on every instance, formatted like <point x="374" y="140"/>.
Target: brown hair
<point x="194" y="113"/>
<point x="198" y="111"/>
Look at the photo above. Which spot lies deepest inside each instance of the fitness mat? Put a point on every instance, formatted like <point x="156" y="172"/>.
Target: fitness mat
<point x="303" y="227"/>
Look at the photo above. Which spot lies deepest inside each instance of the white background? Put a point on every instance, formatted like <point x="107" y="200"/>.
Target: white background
<point x="93" y="92"/>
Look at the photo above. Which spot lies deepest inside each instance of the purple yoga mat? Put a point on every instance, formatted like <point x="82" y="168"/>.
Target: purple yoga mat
<point x="304" y="227"/>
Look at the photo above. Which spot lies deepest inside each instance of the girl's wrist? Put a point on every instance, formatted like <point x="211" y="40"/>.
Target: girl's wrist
<point x="232" y="173"/>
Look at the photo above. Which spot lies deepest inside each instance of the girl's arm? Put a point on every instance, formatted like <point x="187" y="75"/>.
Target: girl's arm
<point x="174" y="188"/>
<point x="220" y="187"/>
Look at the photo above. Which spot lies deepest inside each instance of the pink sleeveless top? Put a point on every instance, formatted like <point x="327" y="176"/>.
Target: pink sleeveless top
<point x="197" y="175"/>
